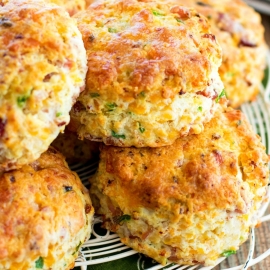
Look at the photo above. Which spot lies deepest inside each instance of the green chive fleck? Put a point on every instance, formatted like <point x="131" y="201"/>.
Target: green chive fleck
<point x="157" y="13"/>
<point x="118" y="136"/>
<point x="39" y="263"/>
<point x="94" y="95"/>
<point x="239" y="123"/>
<point x="21" y="101"/>
<point x="123" y="218"/>
<point x="209" y="17"/>
<point x="58" y="114"/>
<point x="222" y="94"/>
<point x="112" y="30"/>
<point x="200" y="108"/>
<point x="141" y="129"/>
<point x="266" y="77"/>
<point x="77" y="248"/>
<point x="228" y="253"/>
<point x="110" y="106"/>
<point x="180" y="20"/>
<point x="142" y="94"/>
<point x="230" y="74"/>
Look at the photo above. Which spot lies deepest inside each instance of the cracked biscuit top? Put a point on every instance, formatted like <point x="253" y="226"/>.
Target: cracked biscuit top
<point x="152" y="73"/>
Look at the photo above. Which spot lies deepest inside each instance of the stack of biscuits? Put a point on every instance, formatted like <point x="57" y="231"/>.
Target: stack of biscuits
<point x="181" y="175"/>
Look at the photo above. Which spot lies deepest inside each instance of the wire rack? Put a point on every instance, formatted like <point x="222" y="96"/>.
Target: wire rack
<point x="104" y="246"/>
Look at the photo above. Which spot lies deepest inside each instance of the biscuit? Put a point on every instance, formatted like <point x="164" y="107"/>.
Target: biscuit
<point x="42" y="71"/>
<point x="190" y="202"/>
<point x="152" y="73"/>
<point x="45" y="214"/>
<point x="240" y="33"/>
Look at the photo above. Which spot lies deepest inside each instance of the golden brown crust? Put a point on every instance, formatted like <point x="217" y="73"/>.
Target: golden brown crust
<point x="145" y="58"/>
<point x="199" y="179"/>
<point x="144" y="46"/>
<point x="89" y="2"/>
<point x="42" y="71"/>
<point x="72" y="7"/>
<point x="239" y="31"/>
<point x="43" y="214"/>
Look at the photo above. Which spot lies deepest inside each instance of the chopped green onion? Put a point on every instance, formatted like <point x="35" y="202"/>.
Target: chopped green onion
<point x="39" y="263"/>
<point x="180" y="20"/>
<point x="141" y="129"/>
<point x="266" y="77"/>
<point x="142" y="94"/>
<point x="112" y="30"/>
<point x="58" y="114"/>
<point x="118" y="136"/>
<point x="21" y="101"/>
<point x="144" y="45"/>
<point x="94" y="95"/>
<point x="222" y="94"/>
<point x="239" y="123"/>
<point x="228" y="253"/>
<point x="230" y="74"/>
<point x="110" y="106"/>
<point x="123" y="218"/>
<point x="77" y="248"/>
<point x="200" y="108"/>
<point x="157" y="13"/>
